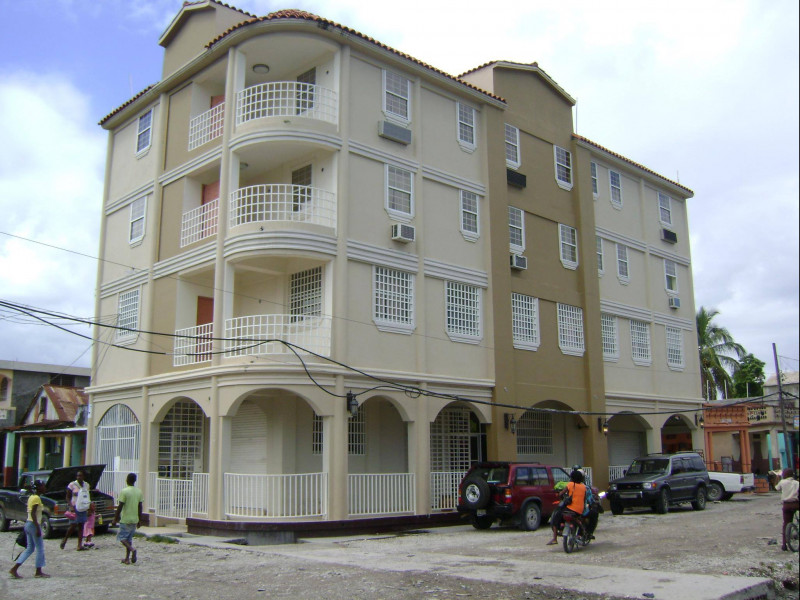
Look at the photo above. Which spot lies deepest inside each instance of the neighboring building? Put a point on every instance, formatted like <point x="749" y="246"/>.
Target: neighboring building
<point x="790" y="385"/>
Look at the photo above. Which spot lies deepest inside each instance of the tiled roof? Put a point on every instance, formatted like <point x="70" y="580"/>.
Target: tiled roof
<point x="534" y="65"/>
<point x="65" y="400"/>
<point x="128" y="103"/>
<point x="630" y="162"/>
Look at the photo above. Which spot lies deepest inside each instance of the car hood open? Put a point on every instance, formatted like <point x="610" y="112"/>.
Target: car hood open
<point x="60" y="478"/>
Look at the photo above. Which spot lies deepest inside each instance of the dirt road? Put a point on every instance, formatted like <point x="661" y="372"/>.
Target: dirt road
<point x="735" y="538"/>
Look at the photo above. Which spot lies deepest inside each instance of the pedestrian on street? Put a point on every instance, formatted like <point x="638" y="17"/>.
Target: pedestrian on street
<point x="79" y="501"/>
<point x="788" y="487"/>
<point x="33" y="531"/>
<point x="129" y="517"/>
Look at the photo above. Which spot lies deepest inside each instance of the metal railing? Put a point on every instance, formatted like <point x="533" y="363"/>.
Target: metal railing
<point x="244" y="335"/>
<point x="616" y="471"/>
<point x="276" y="496"/>
<point x="286" y="99"/>
<point x="444" y="489"/>
<point x="112" y="482"/>
<point x="282" y="202"/>
<point x="381" y="493"/>
<point x="192" y="345"/>
<point x="199" y="223"/>
<point x="200" y="492"/>
<point x="207" y="126"/>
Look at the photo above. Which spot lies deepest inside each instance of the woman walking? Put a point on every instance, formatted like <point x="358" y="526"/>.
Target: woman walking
<point x="33" y="531"/>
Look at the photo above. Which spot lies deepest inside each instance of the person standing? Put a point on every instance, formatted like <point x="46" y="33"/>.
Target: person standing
<point x="129" y="517"/>
<point x="788" y="487"/>
<point x="33" y="531"/>
<point x="79" y="500"/>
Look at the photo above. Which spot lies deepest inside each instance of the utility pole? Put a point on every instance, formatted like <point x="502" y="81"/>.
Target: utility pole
<point x="786" y="443"/>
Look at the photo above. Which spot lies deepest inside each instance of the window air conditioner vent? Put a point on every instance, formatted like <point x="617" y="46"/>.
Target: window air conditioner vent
<point x="516" y="179"/>
<point x="669" y="236"/>
<point x="393" y="132"/>
<point x="518" y="262"/>
<point x="674" y="302"/>
<point x="403" y="233"/>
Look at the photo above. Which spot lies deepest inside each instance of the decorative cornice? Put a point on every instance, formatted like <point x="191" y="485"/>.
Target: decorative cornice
<point x="125" y="200"/>
<point x="132" y="280"/>
<point x="282" y="135"/>
<point x="266" y="241"/>
<point x="384" y="257"/>
<point x="612" y="236"/>
<point x="681" y="260"/>
<point x="193" y="258"/>
<point x="642" y="314"/>
<point x="192" y="165"/>
<point x="453" y="180"/>
<point x="360" y="149"/>
<point x="450" y="272"/>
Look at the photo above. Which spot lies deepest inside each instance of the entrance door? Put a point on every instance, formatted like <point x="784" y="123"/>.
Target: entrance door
<point x="205" y="316"/>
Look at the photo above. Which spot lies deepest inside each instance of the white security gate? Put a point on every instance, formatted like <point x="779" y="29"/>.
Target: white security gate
<point x="117" y="446"/>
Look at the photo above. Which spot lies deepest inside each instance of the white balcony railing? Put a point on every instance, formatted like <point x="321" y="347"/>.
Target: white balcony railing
<point x="247" y="336"/>
<point x="199" y="223"/>
<point x="444" y="489"/>
<point x="282" y="202"/>
<point x="206" y="127"/>
<point x="381" y="493"/>
<point x="286" y="99"/>
<point x="276" y="496"/>
<point x="192" y="345"/>
<point x="616" y="471"/>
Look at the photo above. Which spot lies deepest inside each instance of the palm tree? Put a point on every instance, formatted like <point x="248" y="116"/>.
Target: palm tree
<point x="716" y="346"/>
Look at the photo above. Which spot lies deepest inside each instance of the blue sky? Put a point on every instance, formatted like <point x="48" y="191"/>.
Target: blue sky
<point x="706" y="93"/>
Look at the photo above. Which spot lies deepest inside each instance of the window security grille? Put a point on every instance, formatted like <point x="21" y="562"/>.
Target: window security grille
<point x="450" y="437"/>
<point x="305" y="296"/>
<point x="394" y="296"/>
<point x="525" y="321"/>
<point x="570" y="329"/>
<point x="316" y="434"/>
<point x="128" y="315"/>
<point x="674" y="347"/>
<point x="608" y="327"/>
<point x="180" y="441"/>
<point x="640" y="340"/>
<point x="357" y="433"/>
<point x="117" y="440"/>
<point x="463" y="309"/>
<point x="535" y="433"/>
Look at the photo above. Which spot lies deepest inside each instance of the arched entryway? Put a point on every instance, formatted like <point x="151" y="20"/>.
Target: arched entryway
<point x="118" y="447"/>
<point x="627" y="439"/>
<point x="676" y="434"/>
<point x="547" y="434"/>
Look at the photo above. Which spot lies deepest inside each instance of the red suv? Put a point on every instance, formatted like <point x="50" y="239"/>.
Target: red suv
<point x="519" y="494"/>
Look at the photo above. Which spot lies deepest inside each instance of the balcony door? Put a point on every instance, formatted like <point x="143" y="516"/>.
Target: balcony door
<point x="305" y="93"/>
<point x="205" y="316"/>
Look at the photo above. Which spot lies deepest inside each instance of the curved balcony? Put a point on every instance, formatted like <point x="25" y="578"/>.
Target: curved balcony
<point x="250" y="335"/>
<point x="286" y="99"/>
<point x="282" y="202"/>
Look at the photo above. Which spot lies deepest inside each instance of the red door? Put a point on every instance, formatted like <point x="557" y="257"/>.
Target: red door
<point x="205" y="315"/>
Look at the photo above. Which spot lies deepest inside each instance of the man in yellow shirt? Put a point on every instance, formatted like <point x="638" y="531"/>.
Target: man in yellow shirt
<point x="34" y="532"/>
<point x="129" y="517"/>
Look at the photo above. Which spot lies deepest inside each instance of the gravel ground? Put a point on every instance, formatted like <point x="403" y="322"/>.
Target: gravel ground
<point x="739" y="537"/>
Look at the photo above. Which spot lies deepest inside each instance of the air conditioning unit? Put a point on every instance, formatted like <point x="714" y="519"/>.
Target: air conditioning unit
<point x="674" y="302"/>
<point x="403" y="233"/>
<point x="393" y="132"/>
<point x="669" y="236"/>
<point x="518" y="262"/>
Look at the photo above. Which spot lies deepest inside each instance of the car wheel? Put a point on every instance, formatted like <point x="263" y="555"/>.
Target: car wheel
<point x="662" y="504"/>
<point x="4" y="522"/>
<point x="475" y="493"/>
<point x="617" y="508"/>
<point x="699" y="502"/>
<point x="47" y="529"/>
<point x="715" y="492"/>
<point x="727" y="496"/>
<point x="482" y="522"/>
<point x="531" y="517"/>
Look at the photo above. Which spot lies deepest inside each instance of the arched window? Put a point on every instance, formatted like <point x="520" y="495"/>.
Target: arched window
<point x="180" y="441"/>
<point x="117" y="445"/>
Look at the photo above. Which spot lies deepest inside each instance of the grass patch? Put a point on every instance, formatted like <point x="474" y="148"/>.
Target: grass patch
<point x="162" y="539"/>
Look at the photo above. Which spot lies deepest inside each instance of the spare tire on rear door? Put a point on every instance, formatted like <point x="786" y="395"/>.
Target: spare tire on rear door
<point x="475" y="493"/>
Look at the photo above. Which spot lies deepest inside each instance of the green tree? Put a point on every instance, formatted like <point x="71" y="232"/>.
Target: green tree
<point x="719" y="353"/>
<point x="748" y="379"/>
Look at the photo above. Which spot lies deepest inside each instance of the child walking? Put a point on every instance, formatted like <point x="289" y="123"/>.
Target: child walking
<point x="88" y="527"/>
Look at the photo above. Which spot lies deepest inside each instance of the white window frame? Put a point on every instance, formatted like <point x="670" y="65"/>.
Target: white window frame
<point x="600" y="257"/>
<point x="664" y="209"/>
<point x="144" y="128"/>
<point x="403" y="119"/>
<point x="468" y="213"/>
<point x="671" y="276"/>
<point x="463" y="322"/>
<point x="512" y="147"/>
<point x="609" y="328"/>
<point x="570" y="330"/>
<point x="674" y="340"/>
<point x="138" y="214"/>
<point x="640" y="343"/>
<point x="525" y="322"/>
<point x="568" y="245"/>
<point x="395" y="213"/>
<point x="595" y="188"/>
<point x="622" y="261"/>
<point x="515" y="214"/>
<point x="616" y="198"/>
<point x="564" y="174"/>
<point x="398" y="287"/>
<point x="466" y="118"/>
<point x="128" y="304"/>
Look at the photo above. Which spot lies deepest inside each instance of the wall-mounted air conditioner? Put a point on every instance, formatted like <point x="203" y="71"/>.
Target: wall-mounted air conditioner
<point x="669" y="236"/>
<point x="393" y="132"/>
<point x="674" y="302"/>
<point x="518" y="262"/>
<point x="403" y="233"/>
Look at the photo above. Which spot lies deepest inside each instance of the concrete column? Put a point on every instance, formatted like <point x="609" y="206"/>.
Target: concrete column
<point x="419" y="455"/>
<point x="66" y="451"/>
<point x="219" y="456"/>
<point x="41" y="452"/>
<point x="334" y="454"/>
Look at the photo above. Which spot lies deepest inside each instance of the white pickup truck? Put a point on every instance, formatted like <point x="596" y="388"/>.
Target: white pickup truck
<point x="721" y="486"/>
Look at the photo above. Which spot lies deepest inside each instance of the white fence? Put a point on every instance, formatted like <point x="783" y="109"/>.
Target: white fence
<point x="276" y="496"/>
<point x="192" y="345"/>
<point x="112" y="482"/>
<point x="207" y="126"/>
<point x="246" y="336"/>
<point x="200" y="492"/>
<point x="199" y="223"/>
<point x="286" y="99"/>
<point x="444" y="489"/>
<point x="282" y="202"/>
<point x="178" y="498"/>
<point x="381" y="493"/>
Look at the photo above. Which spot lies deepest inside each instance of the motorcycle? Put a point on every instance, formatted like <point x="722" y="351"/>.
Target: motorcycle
<point x="575" y="532"/>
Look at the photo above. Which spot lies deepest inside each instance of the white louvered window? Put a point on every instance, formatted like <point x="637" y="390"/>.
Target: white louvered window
<point x="615" y="183"/>
<point x="594" y="179"/>
<point x="600" y="267"/>
<point x="516" y="230"/>
<point x="399" y="192"/>
<point x="671" y="275"/>
<point x="570" y="329"/>
<point x="674" y="347"/>
<point x="394" y="300"/>
<point x="525" y="321"/>
<point x="535" y="433"/>
<point x="137" y="222"/>
<point x="469" y="215"/>
<point x="305" y="294"/>
<point x="563" y="166"/>
<point x="128" y="316"/>
<point x="640" y="342"/>
<point x="466" y="126"/>
<point x="512" y="147"/>
<point x="463" y="307"/>
<point x="610" y="333"/>
<point x="144" y="132"/>
<point x="568" y="241"/>
<point x="622" y="263"/>
<point x="396" y="94"/>
<point x="664" y="209"/>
